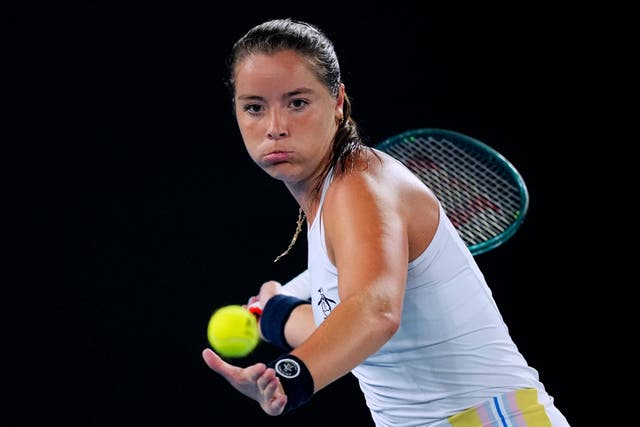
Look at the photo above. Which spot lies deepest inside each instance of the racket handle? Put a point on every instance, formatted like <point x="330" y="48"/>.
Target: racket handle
<point x="255" y="309"/>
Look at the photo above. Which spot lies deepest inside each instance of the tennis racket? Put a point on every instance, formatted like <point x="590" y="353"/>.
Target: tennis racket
<point x="482" y="193"/>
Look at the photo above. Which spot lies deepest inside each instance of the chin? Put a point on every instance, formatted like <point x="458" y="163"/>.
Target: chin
<point x="282" y="172"/>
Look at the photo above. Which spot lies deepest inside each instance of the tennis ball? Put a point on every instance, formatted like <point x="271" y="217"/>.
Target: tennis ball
<point x="233" y="331"/>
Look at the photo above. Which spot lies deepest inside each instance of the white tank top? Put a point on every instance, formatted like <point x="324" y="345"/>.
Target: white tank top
<point x="452" y="350"/>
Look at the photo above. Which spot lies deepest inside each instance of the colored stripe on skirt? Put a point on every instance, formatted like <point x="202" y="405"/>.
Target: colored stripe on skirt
<point x="519" y="408"/>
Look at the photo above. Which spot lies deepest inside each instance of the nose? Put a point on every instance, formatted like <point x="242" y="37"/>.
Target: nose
<point x="277" y="126"/>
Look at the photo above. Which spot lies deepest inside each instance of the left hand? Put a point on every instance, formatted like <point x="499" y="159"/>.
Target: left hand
<point x="257" y="302"/>
<point x="256" y="382"/>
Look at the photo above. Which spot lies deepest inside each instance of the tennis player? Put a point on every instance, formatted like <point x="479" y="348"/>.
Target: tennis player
<point x="392" y="294"/>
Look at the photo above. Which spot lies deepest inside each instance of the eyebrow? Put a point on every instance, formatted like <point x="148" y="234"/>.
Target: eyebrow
<point x="298" y="91"/>
<point x="295" y="92"/>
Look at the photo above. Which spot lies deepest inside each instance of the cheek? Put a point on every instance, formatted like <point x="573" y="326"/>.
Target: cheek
<point x="247" y="128"/>
<point x="250" y="136"/>
<point x="248" y="125"/>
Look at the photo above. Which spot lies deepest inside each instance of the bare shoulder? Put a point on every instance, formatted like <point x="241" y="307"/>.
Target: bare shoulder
<point x="381" y="177"/>
<point x="383" y="193"/>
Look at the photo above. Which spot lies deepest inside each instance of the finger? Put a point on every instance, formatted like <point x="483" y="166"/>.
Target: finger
<point x="212" y="359"/>
<point x="216" y="363"/>
<point x="254" y="372"/>
<point x="265" y="378"/>
<point x="274" y="397"/>
<point x="270" y="388"/>
<point x="277" y="404"/>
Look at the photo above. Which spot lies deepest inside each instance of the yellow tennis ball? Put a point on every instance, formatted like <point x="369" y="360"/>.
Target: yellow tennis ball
<point x="233" y="331"/>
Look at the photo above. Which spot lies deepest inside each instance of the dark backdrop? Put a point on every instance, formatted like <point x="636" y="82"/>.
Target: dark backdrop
<point x="138" y="212"/>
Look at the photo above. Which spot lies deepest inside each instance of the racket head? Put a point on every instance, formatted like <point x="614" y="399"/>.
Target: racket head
<point x="483" y="194"/>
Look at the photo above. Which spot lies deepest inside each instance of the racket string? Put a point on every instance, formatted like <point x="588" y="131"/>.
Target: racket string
<point x="466" y="187"/>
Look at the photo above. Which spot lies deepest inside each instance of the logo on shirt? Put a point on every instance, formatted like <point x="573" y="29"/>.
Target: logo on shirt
<point x="325" y="303"/>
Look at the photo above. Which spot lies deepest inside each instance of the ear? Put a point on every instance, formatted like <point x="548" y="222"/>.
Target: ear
<point x="340" y="101"/>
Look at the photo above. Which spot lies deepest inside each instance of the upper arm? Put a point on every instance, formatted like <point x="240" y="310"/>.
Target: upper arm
<point x="366" y="236"/>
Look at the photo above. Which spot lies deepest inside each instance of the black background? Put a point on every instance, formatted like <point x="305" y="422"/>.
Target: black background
<point x="137" y="211"/>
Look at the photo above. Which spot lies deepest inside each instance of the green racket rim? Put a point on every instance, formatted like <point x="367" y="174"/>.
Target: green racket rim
<point x="506" y="166"/>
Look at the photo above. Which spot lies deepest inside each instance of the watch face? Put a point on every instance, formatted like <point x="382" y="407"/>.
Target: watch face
<point x="288" y="368"/>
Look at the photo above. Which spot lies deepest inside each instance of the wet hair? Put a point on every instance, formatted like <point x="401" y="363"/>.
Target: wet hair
<point x="311" y="43"/>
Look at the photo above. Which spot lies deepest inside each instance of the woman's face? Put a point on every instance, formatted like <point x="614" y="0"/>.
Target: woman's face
<point x="286" y="116"/>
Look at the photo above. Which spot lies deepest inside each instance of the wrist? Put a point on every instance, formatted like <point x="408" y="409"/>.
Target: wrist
<point x="275" y="315"/>
<point x="295" y="378"/>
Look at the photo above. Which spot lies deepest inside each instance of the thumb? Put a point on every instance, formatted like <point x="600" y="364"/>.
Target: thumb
<point x="215" y="362"/>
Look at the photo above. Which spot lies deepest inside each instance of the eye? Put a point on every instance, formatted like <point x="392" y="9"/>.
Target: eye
<point x="252" y="108"/>
<point x="298" y="104"/>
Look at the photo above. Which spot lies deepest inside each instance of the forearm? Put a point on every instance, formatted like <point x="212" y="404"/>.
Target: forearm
<point x="299" y="286"/>
<point x="355" y="329"/>
<point x="300" y="325"/>
<point x="286" y="321"/>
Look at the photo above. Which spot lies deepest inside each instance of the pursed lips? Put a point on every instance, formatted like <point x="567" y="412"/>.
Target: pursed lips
<point x="277" y="156"/>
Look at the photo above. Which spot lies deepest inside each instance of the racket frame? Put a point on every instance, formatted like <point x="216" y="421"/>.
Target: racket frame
<point x="456" y="138"/>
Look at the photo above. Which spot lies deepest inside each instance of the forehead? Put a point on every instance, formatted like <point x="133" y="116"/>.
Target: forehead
<point x="280" y="68"/>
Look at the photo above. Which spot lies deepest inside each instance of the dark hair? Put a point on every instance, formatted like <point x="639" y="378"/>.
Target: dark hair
<point x="311" y="43"/>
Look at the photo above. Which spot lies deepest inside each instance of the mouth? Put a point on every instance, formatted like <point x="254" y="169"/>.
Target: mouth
<point x="277" y="157"/>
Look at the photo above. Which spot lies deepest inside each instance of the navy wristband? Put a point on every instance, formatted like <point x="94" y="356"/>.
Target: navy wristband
<point x="275" y="315"/>
<point x="296" y="380"/>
